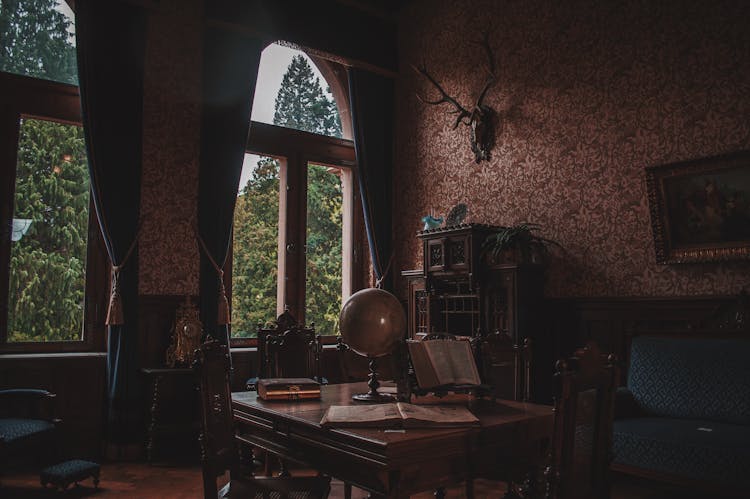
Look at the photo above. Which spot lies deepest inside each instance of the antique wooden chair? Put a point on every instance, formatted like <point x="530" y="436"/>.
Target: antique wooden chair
<point x="219" y="449"/>
<point x="288" y="350"/>
<point x="292" y="352"/>
<point x="581" y="448"/>
<point x="27" y="425"/>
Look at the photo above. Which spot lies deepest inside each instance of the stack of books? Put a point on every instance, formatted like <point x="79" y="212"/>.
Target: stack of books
<point x="288" y="389"/>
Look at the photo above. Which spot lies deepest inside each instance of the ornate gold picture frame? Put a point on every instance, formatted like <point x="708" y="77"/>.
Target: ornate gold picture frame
<point x="700" y="209"/>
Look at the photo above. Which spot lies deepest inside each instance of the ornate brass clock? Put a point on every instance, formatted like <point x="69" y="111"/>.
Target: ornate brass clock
<point x="186" y="335"/>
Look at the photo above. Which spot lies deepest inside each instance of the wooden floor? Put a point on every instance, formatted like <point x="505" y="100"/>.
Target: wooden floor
<point x="143" y="481"/>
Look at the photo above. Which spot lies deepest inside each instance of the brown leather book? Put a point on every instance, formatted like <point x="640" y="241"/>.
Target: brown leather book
<point x="288" y="389"/>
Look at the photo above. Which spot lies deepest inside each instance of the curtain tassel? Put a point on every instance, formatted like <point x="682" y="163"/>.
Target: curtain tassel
<point x="223" y="316"/>
<point x="115" y="316"/>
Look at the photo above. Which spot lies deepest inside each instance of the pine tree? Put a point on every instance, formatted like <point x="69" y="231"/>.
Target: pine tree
<point x="256" y="232"/>
<point x="48" y="264"/>
<point x="301" y="103"/>
<point x="34" y="41"/>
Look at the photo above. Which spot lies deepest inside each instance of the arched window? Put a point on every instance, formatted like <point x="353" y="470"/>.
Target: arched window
<point x="294" y="215"/>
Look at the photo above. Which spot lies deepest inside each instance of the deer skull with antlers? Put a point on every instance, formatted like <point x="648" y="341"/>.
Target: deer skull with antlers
<point x="481" y="117"/>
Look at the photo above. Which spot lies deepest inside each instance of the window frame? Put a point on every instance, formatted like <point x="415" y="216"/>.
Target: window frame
<point x="27" y="97"/>
<point x="299" y="148"/>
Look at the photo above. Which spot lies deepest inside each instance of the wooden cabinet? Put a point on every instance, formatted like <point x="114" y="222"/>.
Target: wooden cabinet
<point x="458" y="292"/>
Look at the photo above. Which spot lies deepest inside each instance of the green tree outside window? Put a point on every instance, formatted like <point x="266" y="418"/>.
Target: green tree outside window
<point x="48" y="260"/>
<point x="300" y="104"/>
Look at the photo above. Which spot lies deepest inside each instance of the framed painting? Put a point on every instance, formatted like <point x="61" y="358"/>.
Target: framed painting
<point x="700" y="209"/>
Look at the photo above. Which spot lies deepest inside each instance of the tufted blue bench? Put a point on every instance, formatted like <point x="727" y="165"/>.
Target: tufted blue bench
<point x="63" y="474"/>
<point x="685" y="413"/>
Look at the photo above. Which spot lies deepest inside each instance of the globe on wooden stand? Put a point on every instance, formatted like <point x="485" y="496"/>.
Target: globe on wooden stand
<point x="372" y="322"/>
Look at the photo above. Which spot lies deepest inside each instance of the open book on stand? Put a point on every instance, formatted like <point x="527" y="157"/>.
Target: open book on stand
<point x="442" y="363"/>
<point x="398" y="415"/>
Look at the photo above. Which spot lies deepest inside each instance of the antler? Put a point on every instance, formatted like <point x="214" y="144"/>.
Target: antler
<point x="459" y="109"/>
<point x="485" y="44"/>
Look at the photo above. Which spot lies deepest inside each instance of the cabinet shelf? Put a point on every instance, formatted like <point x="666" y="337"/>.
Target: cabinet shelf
<point x="457" y="292"/>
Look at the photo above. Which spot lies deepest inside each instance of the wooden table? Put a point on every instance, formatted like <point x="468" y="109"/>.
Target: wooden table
<point x="394" y="464"/>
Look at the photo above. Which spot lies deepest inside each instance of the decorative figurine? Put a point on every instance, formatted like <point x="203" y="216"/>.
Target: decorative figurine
<point x="431" y="222"/>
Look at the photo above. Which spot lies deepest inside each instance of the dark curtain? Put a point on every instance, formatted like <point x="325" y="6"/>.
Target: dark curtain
<point x="230" y="69"/>
<point x="110" y="40"/>
<point x="371" y="98"/>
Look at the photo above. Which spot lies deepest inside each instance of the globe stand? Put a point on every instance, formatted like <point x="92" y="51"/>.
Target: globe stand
<point x="373" y="395"/>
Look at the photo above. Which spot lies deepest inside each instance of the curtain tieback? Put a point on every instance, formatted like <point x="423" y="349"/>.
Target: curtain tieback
<point x="379" y="280"/>
<point x="223" y="315"/>
<point x="115" y="314"/>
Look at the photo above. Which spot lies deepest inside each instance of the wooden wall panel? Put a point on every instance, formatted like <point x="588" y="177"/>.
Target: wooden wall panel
<point x="608" y="321"/>
<point x="79" y="381"/>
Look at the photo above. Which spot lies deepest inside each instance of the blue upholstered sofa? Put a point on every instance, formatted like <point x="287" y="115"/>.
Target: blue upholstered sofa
<point x="685" y="413"/>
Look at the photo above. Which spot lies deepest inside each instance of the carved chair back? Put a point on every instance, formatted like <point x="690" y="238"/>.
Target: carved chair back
<point x="505" y="366"/>
<point x="581" y="450"/>
<point x="219" y="451"/>
<point x="289" y="350"/>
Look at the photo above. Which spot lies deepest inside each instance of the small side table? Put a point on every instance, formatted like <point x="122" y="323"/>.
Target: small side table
<point x="174" y="408"/>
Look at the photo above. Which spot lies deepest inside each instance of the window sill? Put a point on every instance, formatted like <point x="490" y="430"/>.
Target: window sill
<point x="52" y="355"/>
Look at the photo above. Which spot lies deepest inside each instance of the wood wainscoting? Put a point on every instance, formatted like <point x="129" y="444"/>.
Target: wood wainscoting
<point x="608" y="321"/>
<point x="78" y="380"/>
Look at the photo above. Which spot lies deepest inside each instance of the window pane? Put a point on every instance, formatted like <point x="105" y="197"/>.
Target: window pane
<point x="291" y="92"/>
<point x="256" y="233"/>
<point x="324" y="252"/>
<point x="50" y="231"/>
<point x="37" y="38"/>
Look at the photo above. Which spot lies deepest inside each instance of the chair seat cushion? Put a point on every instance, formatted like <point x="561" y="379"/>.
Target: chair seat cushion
<point x="67" y="472"/>
<point x="13" y="430"/>
<point x="698" y="449"/>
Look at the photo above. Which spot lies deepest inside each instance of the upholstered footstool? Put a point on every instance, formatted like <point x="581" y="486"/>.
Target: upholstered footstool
<point x="63" y="474"/>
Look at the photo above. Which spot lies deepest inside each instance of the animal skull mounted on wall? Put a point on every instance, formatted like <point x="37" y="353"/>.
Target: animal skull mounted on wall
<point x="481" y="118"/>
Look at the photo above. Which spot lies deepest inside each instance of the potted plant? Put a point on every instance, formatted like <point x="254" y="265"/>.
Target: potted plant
<point x="516" y="244"/>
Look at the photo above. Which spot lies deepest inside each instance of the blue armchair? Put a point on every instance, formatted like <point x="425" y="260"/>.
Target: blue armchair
<point x="684" y="416"/>
<point x="27" y="424"/>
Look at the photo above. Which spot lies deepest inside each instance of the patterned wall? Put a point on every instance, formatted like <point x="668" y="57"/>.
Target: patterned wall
<point x="169" y="259"/>
<point x="588" y="94"/>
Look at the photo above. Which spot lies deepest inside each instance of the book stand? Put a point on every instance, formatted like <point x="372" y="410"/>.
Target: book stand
<point x="480" y="391"/>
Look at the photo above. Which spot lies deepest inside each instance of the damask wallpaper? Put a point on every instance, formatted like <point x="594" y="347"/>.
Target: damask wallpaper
<point x="588" y="94"/>
<point x="168" y="251"/>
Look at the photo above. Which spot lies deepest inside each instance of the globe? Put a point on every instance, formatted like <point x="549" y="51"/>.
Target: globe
<point x="372" y="321"/>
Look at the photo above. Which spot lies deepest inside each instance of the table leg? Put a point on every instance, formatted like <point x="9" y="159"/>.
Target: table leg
<point x="154" y="418"/>
<point x="469" y="489"/>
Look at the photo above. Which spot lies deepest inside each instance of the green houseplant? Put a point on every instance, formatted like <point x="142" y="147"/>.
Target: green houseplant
<point x="516" y="244"/>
